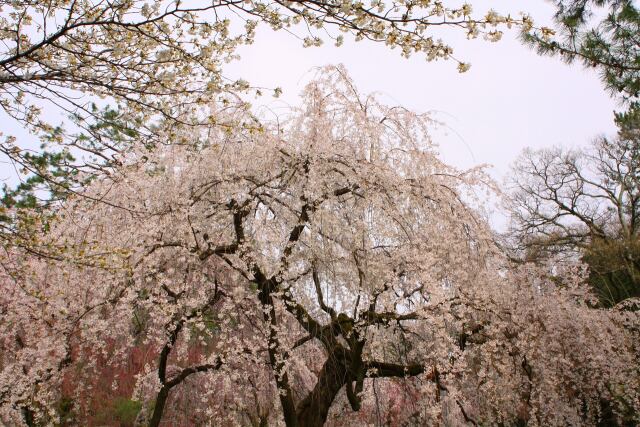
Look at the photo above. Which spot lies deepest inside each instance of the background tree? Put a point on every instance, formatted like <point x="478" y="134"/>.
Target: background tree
<point x="585" y="203"/>
<point x="599" y="33"/>
<point x="48" y="177"/>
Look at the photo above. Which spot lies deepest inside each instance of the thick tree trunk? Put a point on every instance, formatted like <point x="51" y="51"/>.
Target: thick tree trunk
<point x="158" y="408"/>
<point x="313" y="410"/>
<point x="27" y="414"/>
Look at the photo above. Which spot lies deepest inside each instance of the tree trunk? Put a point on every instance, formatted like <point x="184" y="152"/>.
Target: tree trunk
<point x="158" y="408"/>
<point x="313" y="410"/>
<point x="28" y="417"/>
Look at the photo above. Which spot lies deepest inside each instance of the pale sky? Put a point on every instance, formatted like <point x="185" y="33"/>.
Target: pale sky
<point x="510" y="99"/>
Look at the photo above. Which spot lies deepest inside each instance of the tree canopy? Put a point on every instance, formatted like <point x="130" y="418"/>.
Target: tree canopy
<point x="305" y="268"/>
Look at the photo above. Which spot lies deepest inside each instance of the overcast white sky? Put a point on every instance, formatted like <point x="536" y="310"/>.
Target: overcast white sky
<point x="510" y="99"/>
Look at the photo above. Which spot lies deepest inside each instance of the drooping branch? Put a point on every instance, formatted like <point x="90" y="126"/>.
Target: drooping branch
<point x="377" y="369"/>
<point x="192" y="370"/>
<point x="316" y="281"/>
<point x="372" y="317"/>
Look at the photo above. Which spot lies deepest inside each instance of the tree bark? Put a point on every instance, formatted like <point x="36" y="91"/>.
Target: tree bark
<point x="313" y="410"/>
<point x="158" y="408"/>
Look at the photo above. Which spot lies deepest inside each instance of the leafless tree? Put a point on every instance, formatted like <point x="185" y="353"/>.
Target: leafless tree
<point x="582" y="202"/>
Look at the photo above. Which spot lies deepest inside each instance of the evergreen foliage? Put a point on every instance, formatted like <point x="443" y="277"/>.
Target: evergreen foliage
<point x="610" y="44"/>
